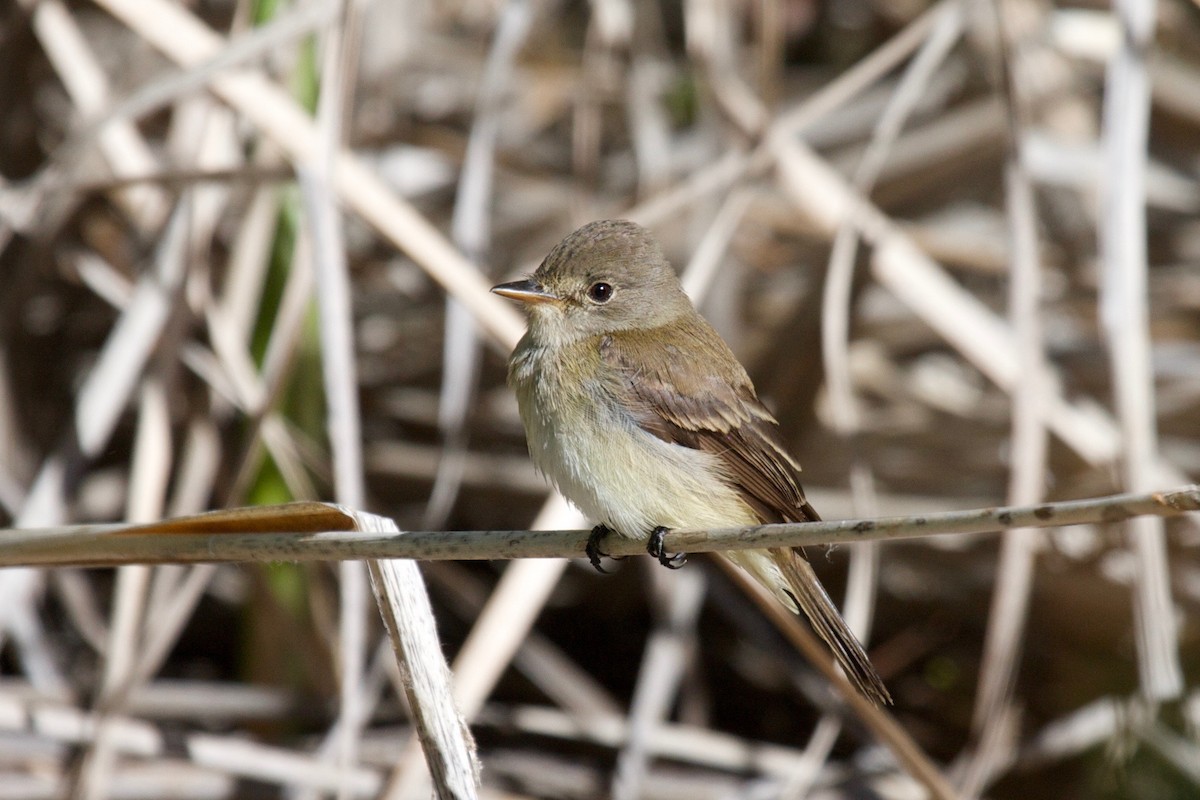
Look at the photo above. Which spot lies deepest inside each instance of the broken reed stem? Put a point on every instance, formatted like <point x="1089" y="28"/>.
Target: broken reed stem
<point x="161" y="543"/>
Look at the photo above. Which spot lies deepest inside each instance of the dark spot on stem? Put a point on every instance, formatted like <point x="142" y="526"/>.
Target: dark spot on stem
<point x="1115" y="514"/>
<point x="1043" y="512"/>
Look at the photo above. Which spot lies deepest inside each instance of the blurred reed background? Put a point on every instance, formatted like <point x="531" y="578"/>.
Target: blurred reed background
<point x="955" y="244"/>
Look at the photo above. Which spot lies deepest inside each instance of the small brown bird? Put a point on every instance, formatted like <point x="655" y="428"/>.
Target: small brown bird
<point x="642" y="416"/>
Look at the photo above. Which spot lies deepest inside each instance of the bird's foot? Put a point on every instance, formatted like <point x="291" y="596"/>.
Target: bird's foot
<point x="655" y="548"/>
<point x="593" y="551"/>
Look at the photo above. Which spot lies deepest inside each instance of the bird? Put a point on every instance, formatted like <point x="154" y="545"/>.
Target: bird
<point x="641" y="415"/>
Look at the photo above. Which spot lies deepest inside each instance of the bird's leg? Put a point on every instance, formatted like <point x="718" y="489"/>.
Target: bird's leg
<point x="593" y="547"/>
<point x="655" y="548"/>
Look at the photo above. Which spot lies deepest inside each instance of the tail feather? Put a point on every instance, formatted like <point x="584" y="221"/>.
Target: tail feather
<point x="825" y="619"/>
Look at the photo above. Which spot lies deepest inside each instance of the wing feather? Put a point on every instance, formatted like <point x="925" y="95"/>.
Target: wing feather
<point x="711" y="407"/>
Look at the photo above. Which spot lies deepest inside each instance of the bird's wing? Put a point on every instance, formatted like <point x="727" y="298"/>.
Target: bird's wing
<point x="710" y="407"/>
<point x="713" y="407"/>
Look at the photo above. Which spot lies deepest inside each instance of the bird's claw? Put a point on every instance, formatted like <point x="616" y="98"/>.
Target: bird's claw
<point x="593" y="551"/>
<point x="655" y="548"/>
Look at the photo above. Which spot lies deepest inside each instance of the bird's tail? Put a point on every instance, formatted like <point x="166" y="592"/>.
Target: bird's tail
<point x="806" y="590"/>
<point x="790" y="577"/>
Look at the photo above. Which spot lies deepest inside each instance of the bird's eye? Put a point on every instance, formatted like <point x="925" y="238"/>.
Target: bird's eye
<point x="600" y="292"/>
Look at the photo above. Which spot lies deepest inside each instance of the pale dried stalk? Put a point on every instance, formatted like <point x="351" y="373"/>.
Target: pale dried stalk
<point x="340" y="378"/>
<point x="684" y="744"/>
<point x="445" y="737"/>
<point x="119" y="141"/>
<point x="734" y="165"/>
<point x="151" y="459"/>
<point x="965" y="322"/>
<point x="408" y="617"/>
<point x="1004" y="640"/>
<point x="858" y="607"/>
<point x="183" y="38"/>
<point x="1014" y="577"/>
<point x="664" y="661"/>
<point x="103" y="396"/>
<point x="471" y="231"/>
<point x="1124" y="313"/>
<point x="190" y="541"/>
<point x="233" y="756"/>
<point x="500" y="630"/>
<point x="565" y="683"/>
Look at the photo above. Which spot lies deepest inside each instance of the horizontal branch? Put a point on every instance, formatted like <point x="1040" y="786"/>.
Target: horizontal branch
<point x="315" y="532"/>
<point x="312" y="531"/>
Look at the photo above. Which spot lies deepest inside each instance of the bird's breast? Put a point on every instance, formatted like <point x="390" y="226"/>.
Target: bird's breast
<point x="583" y="437"/>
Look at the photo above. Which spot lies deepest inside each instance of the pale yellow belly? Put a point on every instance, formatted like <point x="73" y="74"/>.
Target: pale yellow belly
<point x="627" y="479"/>
<point x="617" y="473"/>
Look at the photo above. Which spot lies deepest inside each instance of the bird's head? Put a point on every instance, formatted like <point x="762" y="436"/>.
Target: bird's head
<point x="608" y="276"/>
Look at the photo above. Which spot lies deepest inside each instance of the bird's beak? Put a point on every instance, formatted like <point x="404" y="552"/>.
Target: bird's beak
<point x="527" y="291"/>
